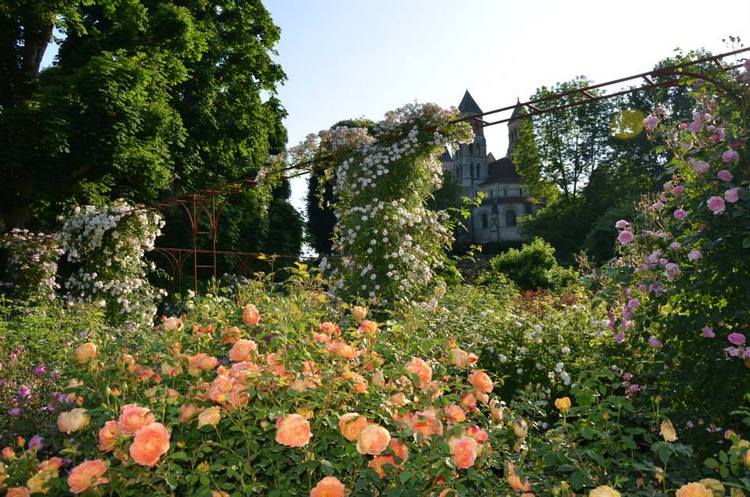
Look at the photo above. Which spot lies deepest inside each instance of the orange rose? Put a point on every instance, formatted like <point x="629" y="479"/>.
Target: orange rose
<point x="515" y="481"/>
<point x="420" y="368"/>
<point x="351" y="424"/>
<point x="87" y="475"/>
<point x="426" y="423"/>
<point x="108" y="436"/>
<point x="331" y="329"/>
<point x="463" y="451"/>
<point x="230" y="335"/>
<point x="459" y="358"/>
<point x="478" y="434"/>
<point x="8" y="453"/>
<point x="378" y="464"/>
<point x="368" y="327"/>
<point x="359" y="312"/>
<point x="373" y="440"/>
<point x="220" y="388"/>
<point x="149" y="444"/>
<point x="133" y="418"/>
<point x="563" y="404"/>
<point x="85" y="352"/>
<point x="250" y="315"/>
<point x="399" y="449"/>
<point x="242" y="350"/>
<point x="210" y="416"/>
<point x="201" y="362"/>
<point x="187" y="412"/>
<point x="321" y="337"/>
<point x="469" y="401"/>
<point x="74" y="420"/>
<point x="455" y="414"/>
<point x="480" y="381"/>
<point x="51" y="464"/>
<point x="171" y="323"/>
<point x="343" y="349"/>
<point x="329" y="486"/>
<point x="293" y="430"/>
<point x="18" y="492"/>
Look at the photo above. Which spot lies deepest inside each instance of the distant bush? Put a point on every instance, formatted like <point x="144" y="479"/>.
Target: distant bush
<point x="534" y="267"/>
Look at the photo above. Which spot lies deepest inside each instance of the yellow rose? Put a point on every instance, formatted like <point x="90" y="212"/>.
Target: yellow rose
<point x="563" y="404"/>
<point x="714" y="486"/>
<point x="693" y="490"/>
<point x="604" y="491"/>
<point x="359" y="312"/>
<point x="667" y="431"/>
<point x="74" y="420"/>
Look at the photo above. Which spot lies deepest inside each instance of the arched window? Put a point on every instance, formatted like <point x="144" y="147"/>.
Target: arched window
<point x="510" y="218"/>
<point x="485" y="222"/>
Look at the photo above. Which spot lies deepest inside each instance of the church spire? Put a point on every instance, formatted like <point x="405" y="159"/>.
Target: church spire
<point x="513" y="126"/>
<point x="468" y="106"/>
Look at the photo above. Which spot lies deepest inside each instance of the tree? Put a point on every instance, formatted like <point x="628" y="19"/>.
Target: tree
<point x="146" y="99"/>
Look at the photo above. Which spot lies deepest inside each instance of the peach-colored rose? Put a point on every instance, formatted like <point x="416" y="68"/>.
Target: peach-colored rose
<point x="481" y="381"/>
<point x="210" y="416"/>
<point x="459" y="358"/>
<point x="230" y="335"/>
<point x="478" y="434"/>
<point x="427" y="423"/>
<point x="243" y="350"/>
<point x="351" y="424"/>
<point x="520" y="428"/>
<point x="378" y="464"/>
<point x="133" y="418"/>
<point x="126" y="362"/>
<point x="693" y="490"/>
<point x="563" y="404"/>
<point x="420" y="368"/>
<point x="359" y="312"/>
<point x="321" y="337"/>
<point x="399" y="449"/>
<point x="87" y="475"/>
<point x="51" y="464"/>
<point x="219" y="493"/>
<point x="463" y="451"/>
<point x="497" y="411"/>
<point x="455" y="414"/>
<point x="149" y="444"/>
<point x="8" y="453"/>
<point x="108" y="436"/>
<point x="18" y="492"/>
<point x="368" y="327"/>
<point x="398" y="399"/>
<point x="250" y="315"/>
<point x="187" y="412"/>
<point x="199" y="329"/>
<point x="37" y="484"/>
<point x="221" y="388"/>
<point x="329" y="486"/>
<point x="373" y="440"/>
<point x="515" y="481"/>
<point x="85" y="352"/>
<point x="343" y="349"/>
<point x="330" y="329"/>
<point x="293" y="430"/>
<point x="469" y="401"/>
<point x="171" y="323"/>
<point x="73" y="420"/>
<point x="201" y="362"/>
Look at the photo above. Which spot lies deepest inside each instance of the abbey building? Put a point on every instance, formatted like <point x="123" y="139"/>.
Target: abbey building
<point x="506" y="199"/>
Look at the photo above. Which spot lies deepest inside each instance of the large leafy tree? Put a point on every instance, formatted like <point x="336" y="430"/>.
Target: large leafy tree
<point x="147" y="98"/>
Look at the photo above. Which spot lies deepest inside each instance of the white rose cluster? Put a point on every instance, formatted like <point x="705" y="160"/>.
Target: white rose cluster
<point x="108" y="245"/>
<point x="32" y="264"/>
<point x="387" y="244"/>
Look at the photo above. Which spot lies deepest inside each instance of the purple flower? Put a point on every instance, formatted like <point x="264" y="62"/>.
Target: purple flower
<point x="36" y="443"/>
<point x="675" y="246"/>
<point x="680" y="214"/>
<point x="724" y="176"/>
<point x="40" y="370"/>
<point x="732" y="195"/>
<point x="625" y="237"/>
<point x="650" y="123"/>
<point x="730" y="155"/>
<point x="715" y="204"/>
<point x="694" y="255"/>
<point x="671" y="270"/>
<point x="24" y="392"/>
<point x="717" y="135"/>
<point x="732" y="351"/>
<point x="15" y="411"/>
<point x="699" y="166"/>
<point x="708" y="332"/>
<point x="736" y="338"/>
<point x="621" y="224"/>
<point x="620" y="337"/>
<point x="654" y="342"/>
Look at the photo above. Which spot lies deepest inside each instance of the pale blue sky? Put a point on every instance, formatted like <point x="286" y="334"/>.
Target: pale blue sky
<point x="351" y="58"/>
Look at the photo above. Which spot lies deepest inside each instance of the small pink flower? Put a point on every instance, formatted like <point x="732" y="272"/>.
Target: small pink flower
<point x="724" y="176"/>
<point x="671" y="270"/>
<point x="675" y="246"/>
<point x="678" y="189"/>
<point x="680" y="214"/>
<point x="694" y="255"/>
<point x="650" y="123"/>
<point x="732" y="195"/>
<point x="736" y="339"/>
<point x="620" y="337"/>
<point x="730" y="155"/>
<point x="625" y="237"/>
<point x="717" y="135"/>
<point x="715" y="204"/>
<point x="699" y="166"/>
<point x="708" y="332"/>
<point x="654" y="342"/>
<point x="621" y="224"/>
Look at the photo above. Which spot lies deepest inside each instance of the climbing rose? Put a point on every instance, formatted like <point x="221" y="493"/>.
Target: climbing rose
<point x="85" y="352"/>
<point x="373" y="440"/>
<point x="74" y="420"/>
<point x="730" y="155"/>
<point x="693" y="490"/>
<point x="359" y="312"/>
<point x="650" y="123"/>
<point x="621" y="224"/>
<point x="86" y="475"/>
<point x="604" y="491"/>
<point x="715" y="205"/>
<point x="250" y="315"/>
<point x="481" y="382"/>
<point x="463" y="451"/>
<point x="293" y="430"/>
<point x="108" y="436"/>
<point x="625" y="237"/>
<point x="134" y="417"/>
<point x="209" y="417"/>
<point x="171" y="323"/>
<point x="242" y="350"/>
<point x="149" y="444"/>
<point x="680" y="214"/>
<point x="329" y="486"/>
<point x="18" y="492"/>
<point x="694" y="255"/>
<point x="351" y="424"/>
<point x="732" y="195"/>
<point x="736" y="339"/>
<point x="700" y="166"/>
<point x="724" y="176"/>
<point x="420" y="368"/>
<point x="708" y="332"/>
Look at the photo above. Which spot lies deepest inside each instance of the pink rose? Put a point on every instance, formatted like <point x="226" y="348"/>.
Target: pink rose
<point x="715" y="204"/>
<point x="650" y="123"/>
<point x="724" y="176"/>
<point x="708" y="332"/>
<point x="680" y="214"/>
<point x="730" y="155"/>
<point x="699" y="166"/>
<point x="694" y="255"/>
<point x="621" y="224"/>
<point x="625" y="237"/>
<point x="732" y="195"/>
<point x="736" y="338"/>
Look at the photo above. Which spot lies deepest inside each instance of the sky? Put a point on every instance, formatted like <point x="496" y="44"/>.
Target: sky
<point x="361" y="58"/>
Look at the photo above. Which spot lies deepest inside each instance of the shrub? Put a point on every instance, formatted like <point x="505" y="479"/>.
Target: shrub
<point x="534" y="267"/>
<point x="32" y="264"/>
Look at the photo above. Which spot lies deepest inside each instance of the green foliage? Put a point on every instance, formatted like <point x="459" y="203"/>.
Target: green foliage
<point x="534" y="267"/>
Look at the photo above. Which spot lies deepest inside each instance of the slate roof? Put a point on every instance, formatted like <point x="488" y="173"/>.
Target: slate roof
<point x="502" y="171"/>
<point x="468" y="105"/>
